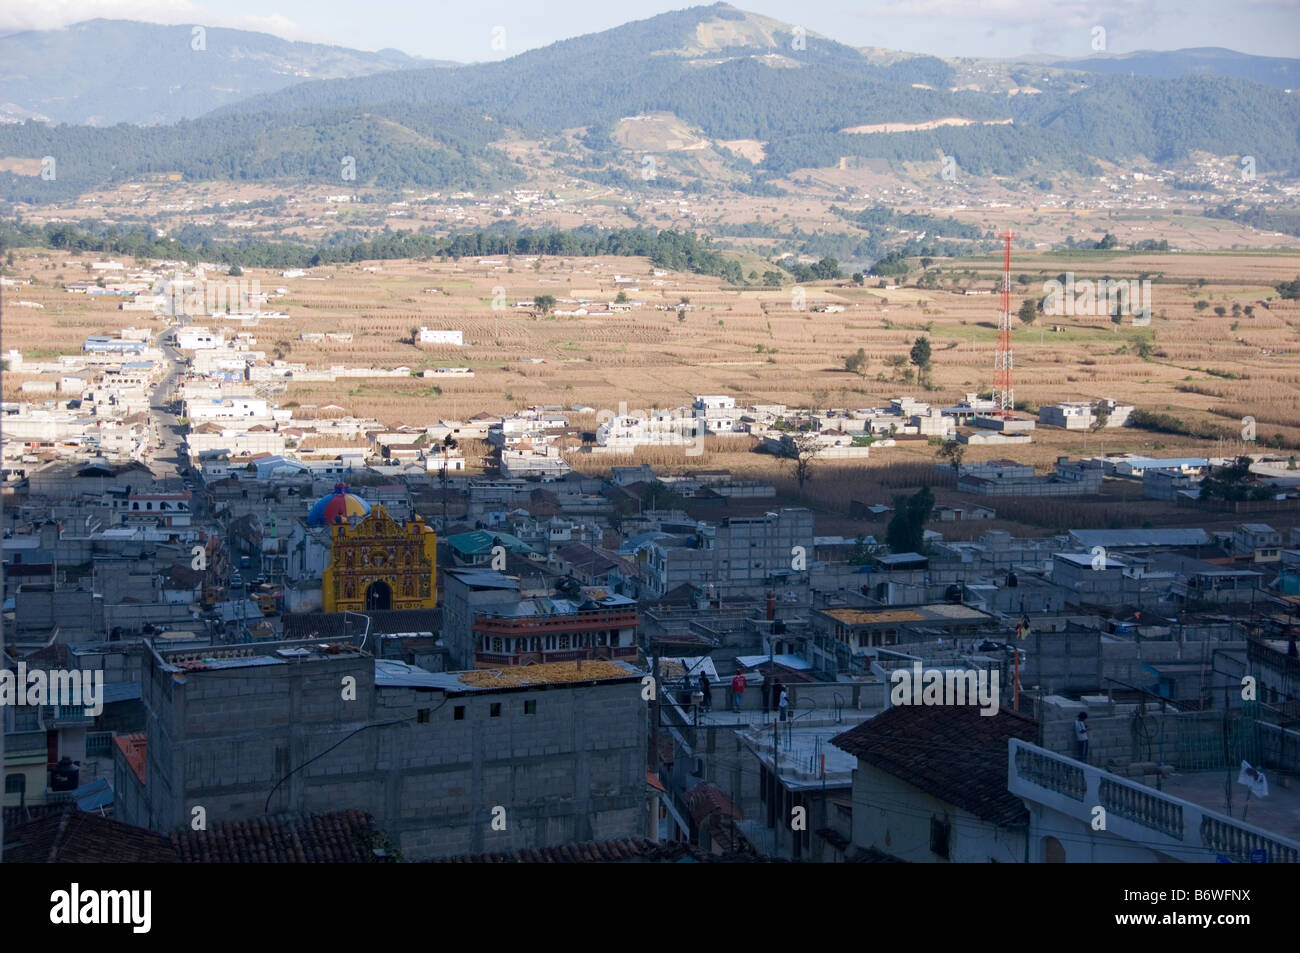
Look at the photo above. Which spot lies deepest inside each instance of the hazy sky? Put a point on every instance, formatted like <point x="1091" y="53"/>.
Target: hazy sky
<point x="465" y="31"/>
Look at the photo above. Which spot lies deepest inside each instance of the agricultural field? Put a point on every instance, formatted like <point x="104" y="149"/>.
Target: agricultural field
<point x="1205" y="370"/>
<point x="754" y="344"/>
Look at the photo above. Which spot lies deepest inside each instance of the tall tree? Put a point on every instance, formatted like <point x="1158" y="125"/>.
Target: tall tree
<point x="920" y="356"/>
<point x="906" y="531"/>
<point x="1100" y="416"/>
<point x="801" y="449"/>
<point x="953" y="452"/>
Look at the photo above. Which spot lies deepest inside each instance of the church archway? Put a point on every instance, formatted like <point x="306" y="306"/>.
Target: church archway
<point x="379" y="596"/>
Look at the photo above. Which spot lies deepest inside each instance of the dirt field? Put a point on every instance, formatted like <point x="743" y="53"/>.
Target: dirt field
<point x="755" y="345"/>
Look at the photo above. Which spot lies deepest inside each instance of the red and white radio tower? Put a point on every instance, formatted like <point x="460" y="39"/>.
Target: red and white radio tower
<point x="1004" y="385"/>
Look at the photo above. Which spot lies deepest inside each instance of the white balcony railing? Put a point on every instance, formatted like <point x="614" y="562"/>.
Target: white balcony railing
<point x="1165" y="824"/>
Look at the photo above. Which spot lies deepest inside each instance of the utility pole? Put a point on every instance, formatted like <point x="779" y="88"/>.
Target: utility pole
<point x="776" y="780"/>
<point x="448" y="444"/>
<point x="1016" y="689"/>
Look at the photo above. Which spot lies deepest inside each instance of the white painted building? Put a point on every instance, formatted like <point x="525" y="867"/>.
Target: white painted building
<point x="435" y="336"/>
<point x="196" y="338"/>
<point x="227" y="408"/>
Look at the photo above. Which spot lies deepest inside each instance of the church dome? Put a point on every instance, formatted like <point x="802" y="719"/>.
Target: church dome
<point x="339" y="506"/>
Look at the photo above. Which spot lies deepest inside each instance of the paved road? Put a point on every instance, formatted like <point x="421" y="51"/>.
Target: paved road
<point x="168" y="454"/>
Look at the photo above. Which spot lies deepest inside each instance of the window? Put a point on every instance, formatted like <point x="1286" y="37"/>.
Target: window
<point x="495" y="710"/>
<point x="458" y="713"/>
<point x="564" y="641"/>
<point x="422" y="716"/>
<point x="530" y="707"/>
<point x="16" y="784"/>
<point x="940" y="832"/>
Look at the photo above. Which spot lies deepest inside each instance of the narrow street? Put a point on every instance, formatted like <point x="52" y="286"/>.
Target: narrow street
<point x="168" y="454"/>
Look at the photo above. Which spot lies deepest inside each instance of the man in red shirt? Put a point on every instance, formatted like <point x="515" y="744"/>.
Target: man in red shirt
<point x="737" y="691"/>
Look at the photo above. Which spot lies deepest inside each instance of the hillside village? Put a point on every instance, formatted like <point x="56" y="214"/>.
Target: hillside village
<point x="167" y="519"/>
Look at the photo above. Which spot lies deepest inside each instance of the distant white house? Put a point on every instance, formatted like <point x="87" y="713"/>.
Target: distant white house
<point x="1080" y="414"/>
<point x="432" y="336"/>
<point x="195" y="338"/>
<point x="434" y="462"/>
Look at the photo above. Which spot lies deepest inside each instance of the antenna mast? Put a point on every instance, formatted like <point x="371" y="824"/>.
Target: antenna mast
<point x="1004" y="388"/>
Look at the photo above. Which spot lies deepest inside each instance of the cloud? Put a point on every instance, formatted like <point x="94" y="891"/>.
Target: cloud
<point x="54" y="14"/>
<point x="1012" y="11"/>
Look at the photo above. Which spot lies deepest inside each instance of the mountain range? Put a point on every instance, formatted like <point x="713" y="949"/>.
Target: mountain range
<point x="759" y="96"/>
<point x="102" y="72"/>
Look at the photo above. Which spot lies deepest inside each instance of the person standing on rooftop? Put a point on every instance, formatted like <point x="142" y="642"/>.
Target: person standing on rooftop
<point x="738" y="684"/>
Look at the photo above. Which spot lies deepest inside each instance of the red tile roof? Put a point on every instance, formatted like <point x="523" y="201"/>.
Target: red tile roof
<point x="949" y="751"/>
<point x="74" y="837"/>
<point x="633" y="849"/>
<point x="346" y="837"/>
<point x="707" y="798"/>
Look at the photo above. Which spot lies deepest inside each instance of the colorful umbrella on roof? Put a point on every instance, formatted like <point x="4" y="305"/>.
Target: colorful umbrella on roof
<point x="339" y="506"/>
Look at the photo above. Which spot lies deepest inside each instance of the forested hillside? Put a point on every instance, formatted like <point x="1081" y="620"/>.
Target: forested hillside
<point x="725" y="73"/>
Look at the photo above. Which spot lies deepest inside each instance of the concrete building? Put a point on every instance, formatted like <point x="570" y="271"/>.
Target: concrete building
<point x="446" y="763"/>
<point x="543" y="461"/>
<point x="98" y="344"/>
<point x="540" y="630"/>
<point x="1081" y="414"/>
<point x="849" y="638"/>
<point x="1261" y="542"/>
<point x="468" y="593"/>
<point x="196" y="338"/>
<point x="738" y="555"/>
<point x="1169" y="485"/>
<point x="1008" y="478"/>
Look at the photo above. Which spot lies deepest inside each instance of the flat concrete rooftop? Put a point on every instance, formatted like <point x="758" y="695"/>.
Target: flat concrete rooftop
<point x="1278" y="813"/>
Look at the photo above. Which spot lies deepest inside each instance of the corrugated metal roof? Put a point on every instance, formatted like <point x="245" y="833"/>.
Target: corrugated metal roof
<point x="786" y="661"/>
<point x="483" y="578"/>
<point x="93" y="796"/>
<point x="249" y="662"/>
<point x="1118" y="538"/>
<point x="393" y="674"/>
<point x="121" y="692"/>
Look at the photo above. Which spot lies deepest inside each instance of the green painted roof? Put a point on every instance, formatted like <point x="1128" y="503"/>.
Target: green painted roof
<point x="481" y="541"/>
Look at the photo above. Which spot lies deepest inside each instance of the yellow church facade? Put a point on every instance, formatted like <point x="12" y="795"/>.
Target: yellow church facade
<point x="381" y="564"/>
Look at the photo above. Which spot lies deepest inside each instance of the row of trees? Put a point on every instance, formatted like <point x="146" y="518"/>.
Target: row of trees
<point x="920" y="356"/>
<point x="677" y="251"/>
